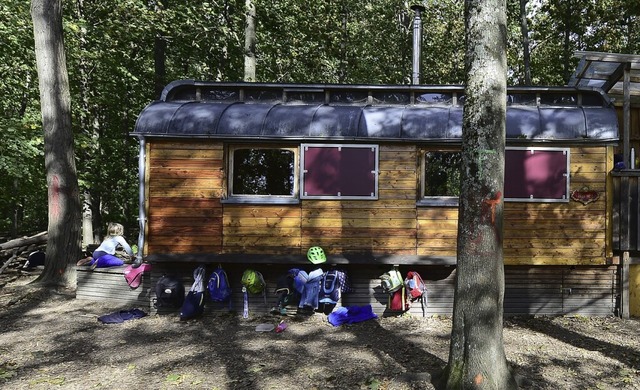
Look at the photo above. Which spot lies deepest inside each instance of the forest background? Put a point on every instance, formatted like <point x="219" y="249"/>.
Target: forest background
<point x="121" y="53"/>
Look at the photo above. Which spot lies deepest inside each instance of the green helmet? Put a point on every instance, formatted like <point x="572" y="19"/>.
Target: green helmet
<point x="316" y="255"/>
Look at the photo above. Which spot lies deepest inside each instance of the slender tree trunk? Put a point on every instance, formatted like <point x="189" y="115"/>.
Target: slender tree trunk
<point x="84" y="123"/>
<point x="159" y="55"/>
<point x="63" y="245"/>
<point x="250" y="41"/>
<point x="476" y="358"/>
<point x="526" y="52"/>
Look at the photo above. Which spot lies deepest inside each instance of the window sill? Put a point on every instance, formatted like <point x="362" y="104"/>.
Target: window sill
<point x="437" y="202"/>
<point x="260" y="201"/>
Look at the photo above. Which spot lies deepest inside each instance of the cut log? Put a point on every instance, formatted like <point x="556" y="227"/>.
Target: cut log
<point x="23" y="241"/>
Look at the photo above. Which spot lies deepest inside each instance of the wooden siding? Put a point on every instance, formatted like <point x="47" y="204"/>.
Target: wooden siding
<point x="185" y="214"/>
<point x="185" y="184"/>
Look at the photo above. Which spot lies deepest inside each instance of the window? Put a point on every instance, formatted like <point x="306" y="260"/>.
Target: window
<point x="441" y="178"/>
<point x="536" y="174"/>
<point x="262" y="174"/>
<point x="339" y="171"/>
<point x="531" y="175"/>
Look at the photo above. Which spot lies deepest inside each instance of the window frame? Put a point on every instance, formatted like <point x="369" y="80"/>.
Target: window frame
<point x="453" y="201"/>
<point x="375" y="171"/>
<point x="294" y="198"/>
<point x="437" y="201"/>
<point x="567" y="152"/>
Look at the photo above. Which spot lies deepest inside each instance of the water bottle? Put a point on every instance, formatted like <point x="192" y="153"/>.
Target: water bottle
<point x="281" y="327"/>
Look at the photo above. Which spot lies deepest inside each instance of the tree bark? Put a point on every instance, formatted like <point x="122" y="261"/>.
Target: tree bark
<point x="526" y="52"/>
<point x="476" y="358"/>
<point x="63" y="245"/>
<point x="250" y="42"/>
<point x="159" y="55"/>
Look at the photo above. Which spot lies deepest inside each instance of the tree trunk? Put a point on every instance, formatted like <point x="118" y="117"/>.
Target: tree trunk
<point x="250" y="41"/>
<point x="476" y="358"/>
<point x="526" y="52"/>
<point x="159" y="55"/>
<point x="63" y="245"/>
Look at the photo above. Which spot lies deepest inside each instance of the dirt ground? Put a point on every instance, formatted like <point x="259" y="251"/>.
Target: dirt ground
<point x="51" y="340"/>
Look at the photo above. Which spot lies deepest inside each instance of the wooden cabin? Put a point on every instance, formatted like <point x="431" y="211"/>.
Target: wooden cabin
<point x="250" y="175"/>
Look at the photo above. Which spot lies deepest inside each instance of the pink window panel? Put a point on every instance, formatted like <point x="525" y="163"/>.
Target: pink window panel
<point x="536" y="174"/>
<point x="339" y="171"/>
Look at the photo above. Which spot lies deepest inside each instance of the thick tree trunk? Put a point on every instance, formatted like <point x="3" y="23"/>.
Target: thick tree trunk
<point x="250" y="41"/>
<point x="63" y="245"/>
<point x="476" y="358"/>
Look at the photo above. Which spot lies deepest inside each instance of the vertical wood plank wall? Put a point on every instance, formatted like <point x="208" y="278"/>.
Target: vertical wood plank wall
<point x="185" y="214"/>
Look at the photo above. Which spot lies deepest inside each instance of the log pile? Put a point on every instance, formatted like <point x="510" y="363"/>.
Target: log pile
<point x="14" y="253"/>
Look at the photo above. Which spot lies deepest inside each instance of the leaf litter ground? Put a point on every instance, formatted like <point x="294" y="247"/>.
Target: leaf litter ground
<point x="51" y="340"/>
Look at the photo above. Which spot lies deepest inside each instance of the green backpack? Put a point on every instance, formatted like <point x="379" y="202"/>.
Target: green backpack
<point x="253" y="281"/>
<point x="391" y="281"/>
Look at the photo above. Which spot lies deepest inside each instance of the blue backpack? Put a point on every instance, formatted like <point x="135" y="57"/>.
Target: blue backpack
<point x="334" y="283"/>
<point x="218" y="286"/>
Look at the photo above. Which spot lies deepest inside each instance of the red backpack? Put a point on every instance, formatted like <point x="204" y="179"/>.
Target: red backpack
<point x="416" y="290"/>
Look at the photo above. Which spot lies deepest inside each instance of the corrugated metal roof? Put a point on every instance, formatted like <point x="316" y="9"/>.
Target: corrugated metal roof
<point x="239" y="120"/>
<point x="274" y="119"/>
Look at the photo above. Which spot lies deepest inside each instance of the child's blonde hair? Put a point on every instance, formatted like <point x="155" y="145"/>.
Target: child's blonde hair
<point x="115" y="229"/>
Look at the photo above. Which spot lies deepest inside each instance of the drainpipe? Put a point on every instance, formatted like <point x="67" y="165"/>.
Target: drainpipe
<point x="142" y="217"/>
<point x="417" y="43"/>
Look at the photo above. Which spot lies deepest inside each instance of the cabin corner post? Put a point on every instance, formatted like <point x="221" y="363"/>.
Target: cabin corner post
<point x="142" y="216"/>
<point x="624" y="307"/>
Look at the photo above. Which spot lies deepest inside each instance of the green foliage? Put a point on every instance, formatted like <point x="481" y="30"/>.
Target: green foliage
<point x="110" y="49"/>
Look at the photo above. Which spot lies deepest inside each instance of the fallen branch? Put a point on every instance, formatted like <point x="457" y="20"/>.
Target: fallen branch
<point x="8" y="262"/>
<point x="23" y="241"/>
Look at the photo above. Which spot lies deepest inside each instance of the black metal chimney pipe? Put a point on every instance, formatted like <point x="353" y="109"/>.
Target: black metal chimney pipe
<point x="417" y="43"/>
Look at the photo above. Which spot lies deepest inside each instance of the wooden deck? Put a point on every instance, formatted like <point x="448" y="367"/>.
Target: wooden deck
<point x="108" y="284"/>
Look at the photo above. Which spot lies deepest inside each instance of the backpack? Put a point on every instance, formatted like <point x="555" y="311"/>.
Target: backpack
<point x="398" y="301"/>
<point x="169" y="293"/>
<point x="391" y="281"/>
<point x="286" y="292"/>
<point x="133" y="276"/>
<point x="416" y="290"/>
<point x="193" y="305"/>
<point x="218" y="286"/>
<point x="252" y="282"/>
<point x="334" y="283"/>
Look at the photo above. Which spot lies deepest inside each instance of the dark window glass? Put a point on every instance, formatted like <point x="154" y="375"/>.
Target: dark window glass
<point x="442" y="173"/>
<point x="559" y="99"/>
<point x="306" y="97"/>
<point x="592" y="100"/>
<point x="390" y="97"/>
<point x="523" y="99"/>
<point x="263" y="172"/>
<point x="349" y="96"/>
<point x="182" y="93"/>
<point x="219" y="94"/>
<point x="434" y="98"/>
<point x="262" y="95"/>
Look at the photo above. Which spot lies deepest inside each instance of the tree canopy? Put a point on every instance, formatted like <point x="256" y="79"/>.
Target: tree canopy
<point x="113" y="50"/>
